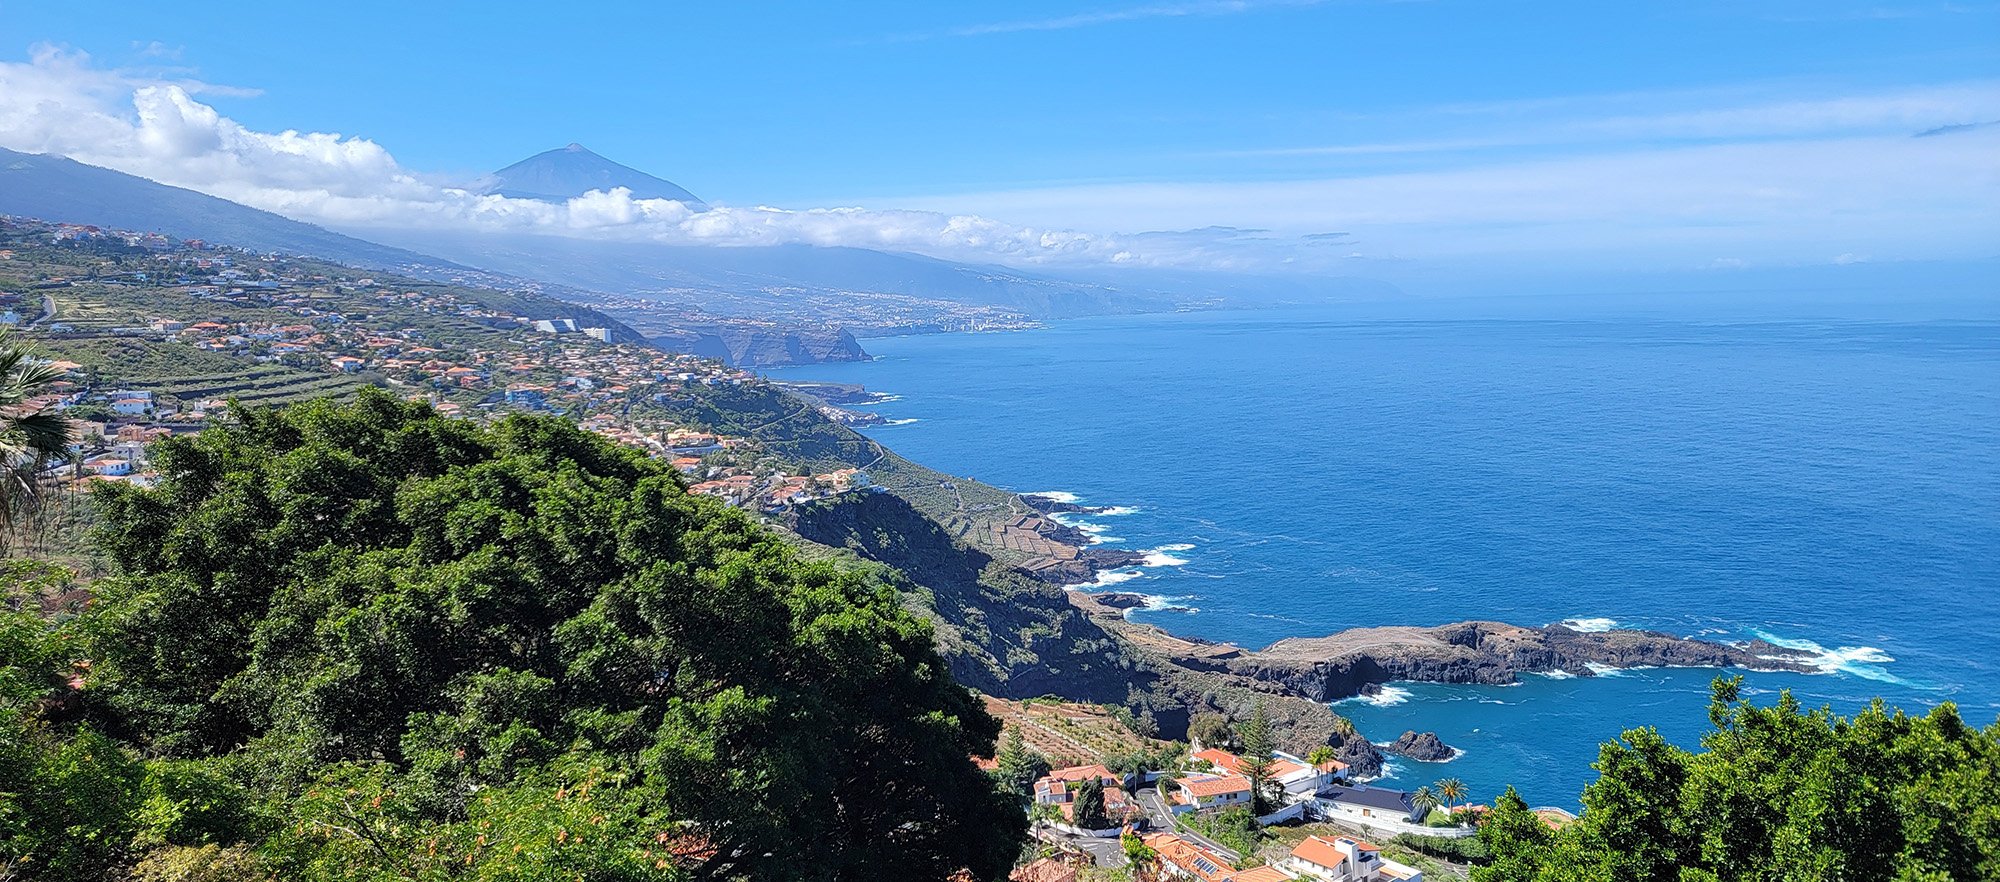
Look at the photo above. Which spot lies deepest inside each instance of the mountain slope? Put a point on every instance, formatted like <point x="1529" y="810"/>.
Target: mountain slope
<point x="556" y="175"/>
<point x="58" y="189"/>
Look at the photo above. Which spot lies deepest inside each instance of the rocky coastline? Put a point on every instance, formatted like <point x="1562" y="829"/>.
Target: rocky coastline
<point x="1343" y="665"/>
<point x="1424" y="747"/>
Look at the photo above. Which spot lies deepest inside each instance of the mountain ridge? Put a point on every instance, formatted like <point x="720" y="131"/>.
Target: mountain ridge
<point x="57" y="188"/>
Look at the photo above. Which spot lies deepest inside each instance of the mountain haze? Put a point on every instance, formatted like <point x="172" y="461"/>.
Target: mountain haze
<point x="568" y="172"/>
<point x="630" y="267"/>
<point x="55" y="188"/>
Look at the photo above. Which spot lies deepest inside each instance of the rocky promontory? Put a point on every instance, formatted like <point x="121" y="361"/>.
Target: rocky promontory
<point x="1343" y="665"/>
<point x="1420" y="746"/>
<point x="1340" y="665"/>
<point x="762" y="344"/>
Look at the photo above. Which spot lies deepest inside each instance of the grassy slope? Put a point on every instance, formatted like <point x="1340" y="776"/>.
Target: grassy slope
<point x="1069" y="733"/>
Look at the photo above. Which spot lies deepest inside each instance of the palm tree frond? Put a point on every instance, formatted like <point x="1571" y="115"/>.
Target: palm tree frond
<point x="46" y="433"/>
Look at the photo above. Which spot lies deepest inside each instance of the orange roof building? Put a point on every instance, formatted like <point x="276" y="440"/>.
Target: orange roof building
<point x="1180" y="858"/>
<point x="1044" y="870"/>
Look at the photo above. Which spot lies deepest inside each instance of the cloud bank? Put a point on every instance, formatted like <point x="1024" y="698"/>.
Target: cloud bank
<point x="1571" y="180"/>
<point x="159" y="129"/>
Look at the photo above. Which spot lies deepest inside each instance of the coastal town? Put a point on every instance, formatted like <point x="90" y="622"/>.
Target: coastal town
<point x="1211" y="813"/>
<point x="265" y="330"/>
<point x="155" y="338"/>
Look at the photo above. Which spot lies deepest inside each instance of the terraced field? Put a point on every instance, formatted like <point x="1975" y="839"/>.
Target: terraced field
<point x="1068" y="733"/>
<point x="177" y="371"/>
<point x="263" y="384"/>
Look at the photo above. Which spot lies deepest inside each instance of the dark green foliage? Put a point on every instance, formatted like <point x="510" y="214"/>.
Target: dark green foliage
<point x="1516" y="841"/>
<point x="1463" y="850"/>
<point x="1233" y="827"/>
<point x="1089" y="805"/>
<point x="1166" y="755"/>
<point x="1017" y="766"/>
<point x="68" y="805"/>
<point x="1209" y="729"/>
<point x="1257" y="746"/>
<point x="1777" y="794"/>
<point x="371" y="642"/>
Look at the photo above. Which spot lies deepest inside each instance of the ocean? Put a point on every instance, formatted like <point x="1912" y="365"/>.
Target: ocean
<point x="1831" y="484"/>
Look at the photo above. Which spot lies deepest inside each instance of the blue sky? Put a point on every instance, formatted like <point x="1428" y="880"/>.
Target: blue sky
<point x="1105" y="117"/>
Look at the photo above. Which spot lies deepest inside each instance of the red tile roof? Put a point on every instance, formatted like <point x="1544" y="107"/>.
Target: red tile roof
<point x="1045" y="870"/>
<point x="1190" y="858"/>
<point x="1321" y="851"/>
<point x="1221" y="759"/>
<point x="1216" y="786"/>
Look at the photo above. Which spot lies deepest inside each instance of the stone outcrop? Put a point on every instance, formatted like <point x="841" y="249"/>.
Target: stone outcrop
<point x="1296" y="678"/>
<point x="1424" y="746"/>
<point x="1338" y="666"/>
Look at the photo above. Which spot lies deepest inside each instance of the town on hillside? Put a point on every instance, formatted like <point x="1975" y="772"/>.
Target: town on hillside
<point x="1107" y="803"/>
<point x="155" y="336"/>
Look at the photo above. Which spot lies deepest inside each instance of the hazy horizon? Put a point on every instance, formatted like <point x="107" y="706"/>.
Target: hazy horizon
<point x="1436" y="145"/>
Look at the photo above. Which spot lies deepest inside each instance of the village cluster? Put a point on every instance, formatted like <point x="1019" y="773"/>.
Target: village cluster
<point x="463" y="357"/>
<point x="1159" y="810"/>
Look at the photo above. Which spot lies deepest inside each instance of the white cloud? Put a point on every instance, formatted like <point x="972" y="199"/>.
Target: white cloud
<point x="59" y="103"/>
<point x="1773" y="181"/>
<point x="1791" y="199"/>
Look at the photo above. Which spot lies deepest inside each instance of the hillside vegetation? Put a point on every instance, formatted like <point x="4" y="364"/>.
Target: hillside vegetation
<point x="362" y="641"/>
<point x="1777" y="793"/>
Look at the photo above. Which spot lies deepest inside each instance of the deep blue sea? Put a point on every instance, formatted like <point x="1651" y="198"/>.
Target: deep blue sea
<point x="1832" y="484"/>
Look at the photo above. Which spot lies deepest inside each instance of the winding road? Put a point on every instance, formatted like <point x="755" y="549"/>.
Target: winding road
<point x="1163" y="819"/>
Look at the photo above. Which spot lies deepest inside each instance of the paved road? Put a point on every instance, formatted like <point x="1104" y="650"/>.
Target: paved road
<point x="1104" y="852"/>
<point x="1163" y="819"/>
<point x="48" y="310"/>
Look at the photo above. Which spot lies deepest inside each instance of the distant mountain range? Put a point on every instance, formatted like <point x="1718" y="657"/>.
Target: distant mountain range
<point x="59" y="189"/>
<point x="719" y="282"/>
<point x="567" y="172"/>
<point x="750" y="274"/>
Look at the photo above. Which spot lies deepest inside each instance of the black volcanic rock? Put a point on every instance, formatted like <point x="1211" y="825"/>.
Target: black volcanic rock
<point x="1112" y="558"/>
<point x="1363" y="760"/>
<point x="1425" y="747"/>
<point x="1341" y="665"/>
<point x="567" y="172"/>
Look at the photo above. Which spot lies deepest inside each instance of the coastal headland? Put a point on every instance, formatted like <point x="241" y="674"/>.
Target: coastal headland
<point x="1350" y="663"/>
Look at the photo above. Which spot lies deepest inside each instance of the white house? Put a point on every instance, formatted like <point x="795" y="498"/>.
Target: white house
<point x="1299" y="779"/>
<point x="1345" y="860"/>
<point x="110" y="466"/>
<point x="1201" y="793"/>
<point x="1059" y="786"/>
<point x="1364" y="804"/>
<point x="131" y="406"/>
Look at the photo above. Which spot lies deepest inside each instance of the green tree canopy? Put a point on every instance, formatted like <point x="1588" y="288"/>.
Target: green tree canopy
<point x="1778" y="793"/>
<point x="1017" y="766"/>
<point x="1258" y="742"/>
<point x="1088" y="805"/>
<point x="416" y="647"/>
<point x="1209" y="729"/>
